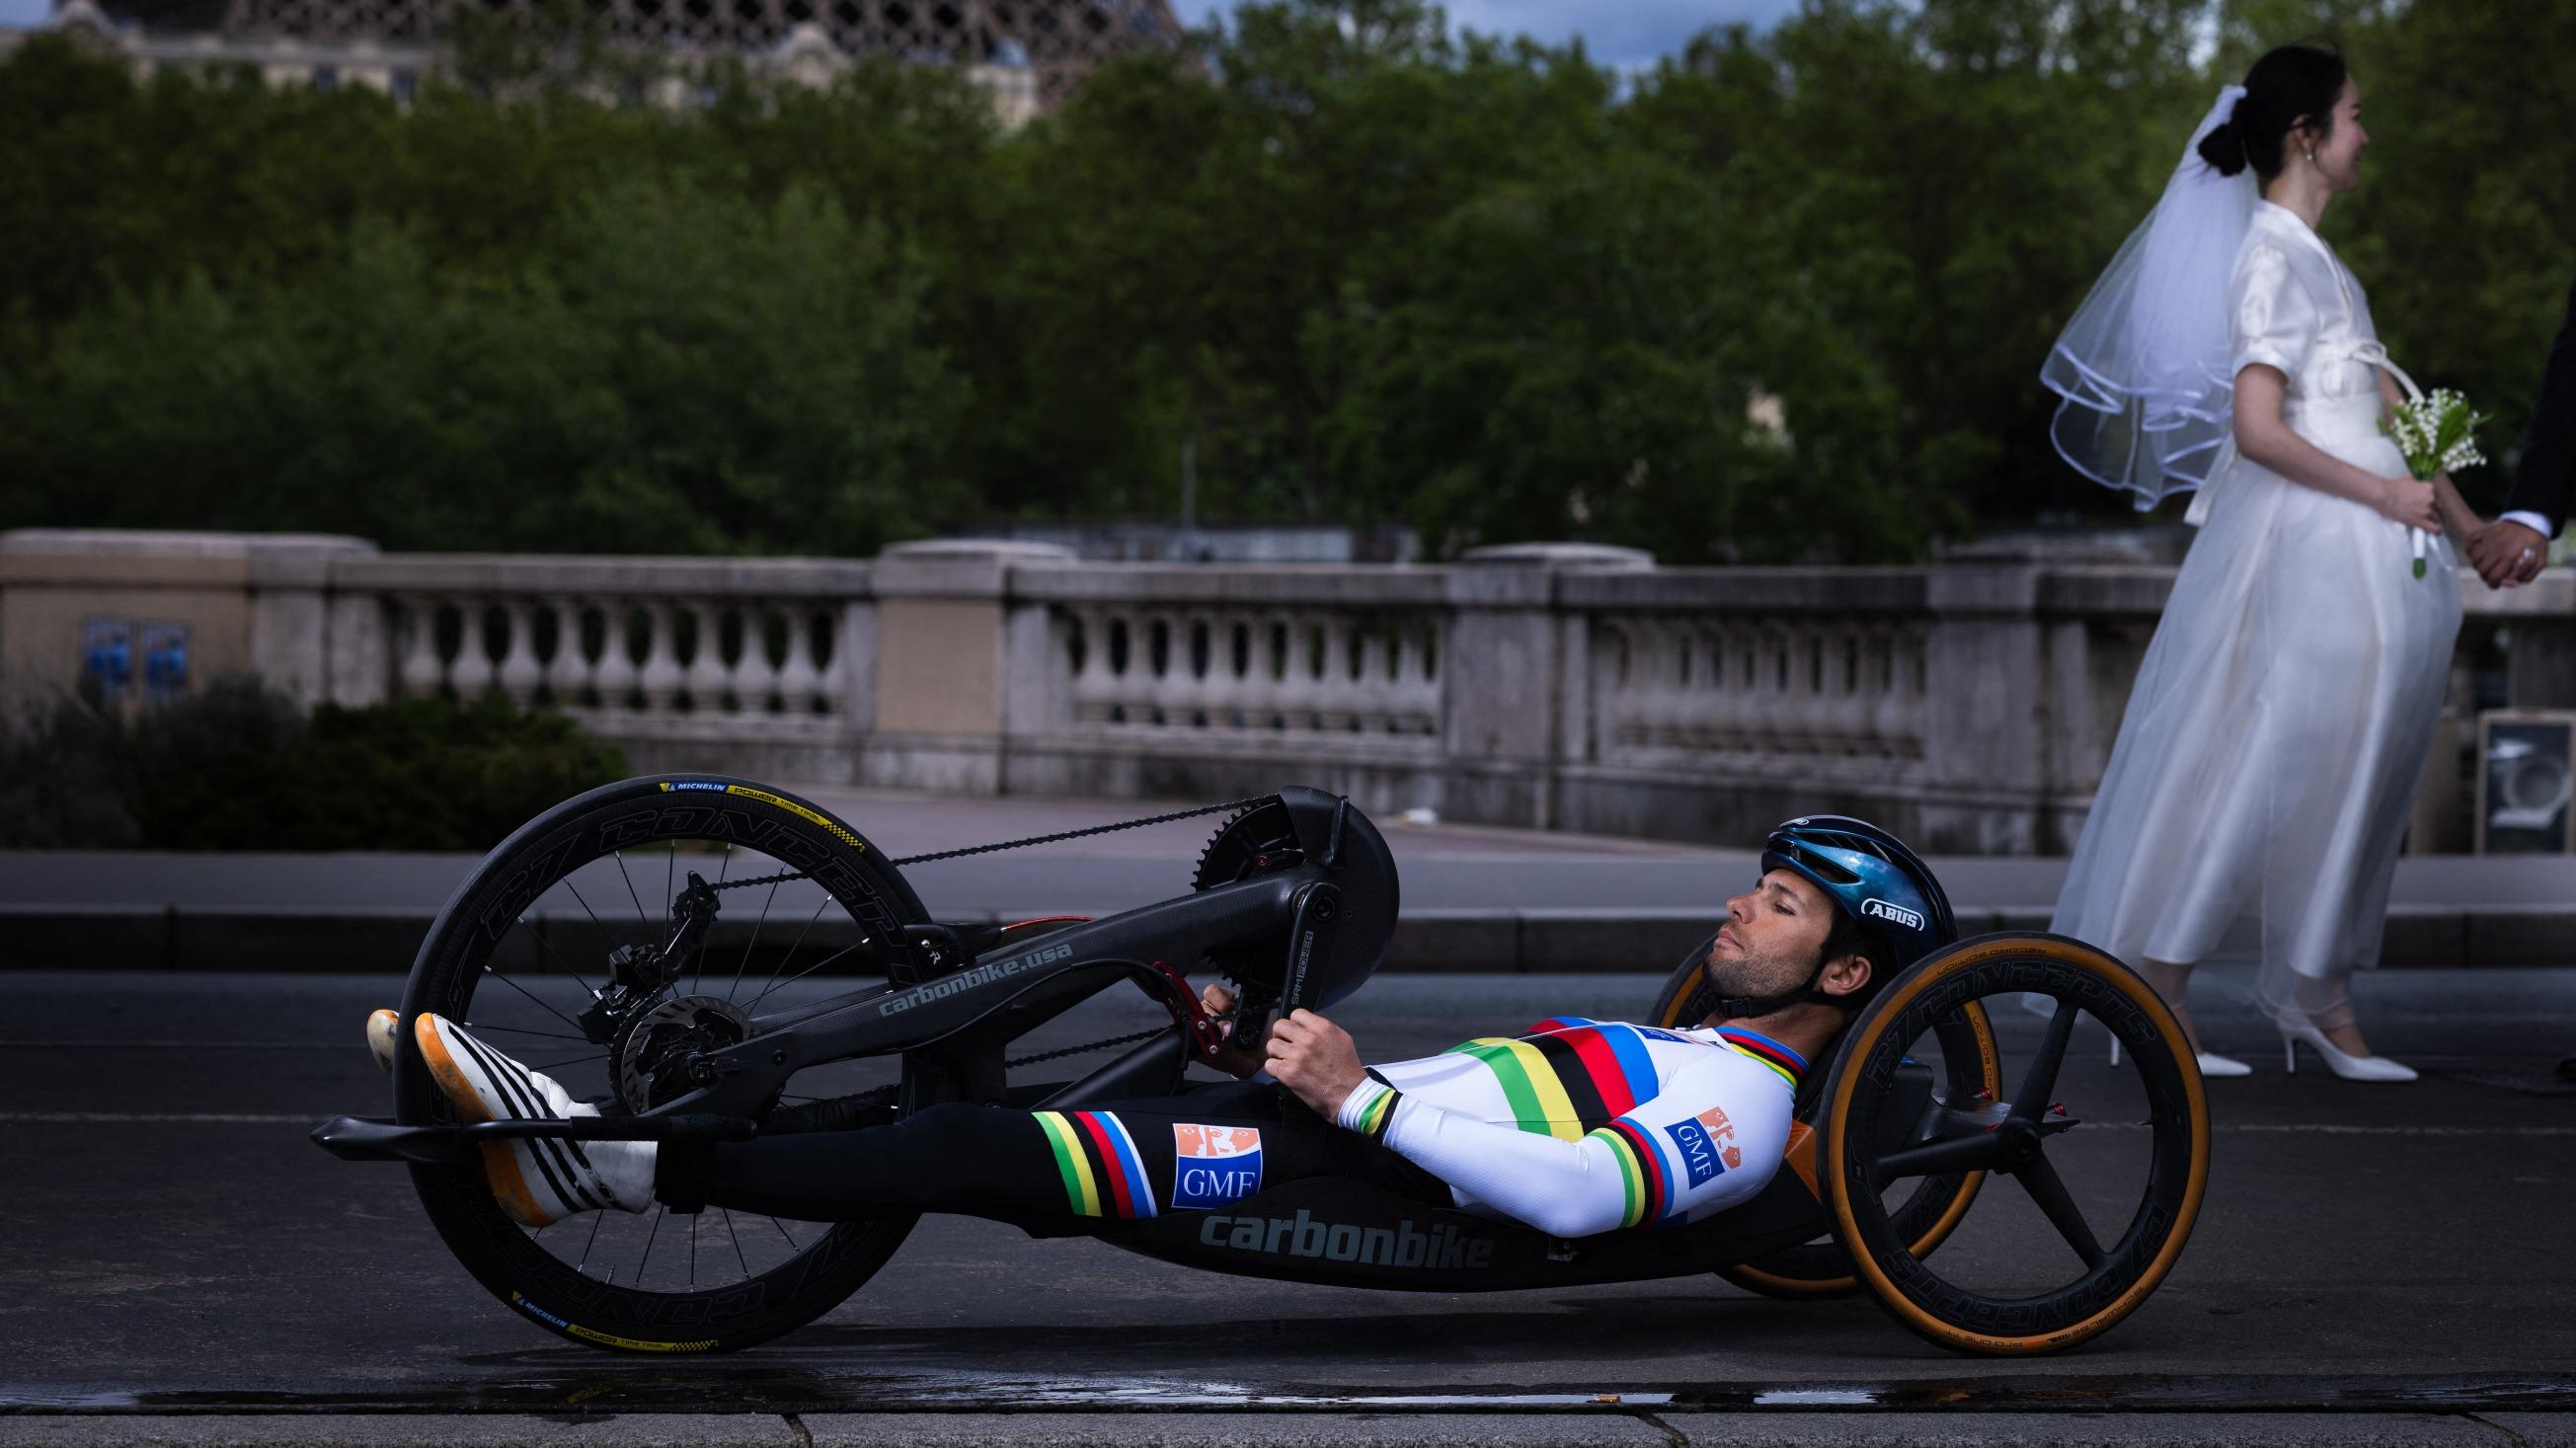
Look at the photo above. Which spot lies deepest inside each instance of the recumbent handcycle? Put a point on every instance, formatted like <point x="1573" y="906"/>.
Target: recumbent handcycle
<point x="1295" y="900"/>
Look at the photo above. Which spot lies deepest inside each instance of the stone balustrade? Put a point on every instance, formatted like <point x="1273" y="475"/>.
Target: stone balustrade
<point x="1970" y="704"/>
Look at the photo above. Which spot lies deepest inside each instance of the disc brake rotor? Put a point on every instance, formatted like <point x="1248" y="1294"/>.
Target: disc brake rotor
<point x="654" y="1052"/>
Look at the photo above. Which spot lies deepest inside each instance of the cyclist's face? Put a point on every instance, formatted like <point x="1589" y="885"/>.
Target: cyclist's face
<point x="1772" y="935"/>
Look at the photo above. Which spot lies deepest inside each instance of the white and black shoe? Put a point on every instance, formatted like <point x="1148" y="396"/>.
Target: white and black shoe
<point x="384" y="1036"/>
<point x="537" y="1179"/>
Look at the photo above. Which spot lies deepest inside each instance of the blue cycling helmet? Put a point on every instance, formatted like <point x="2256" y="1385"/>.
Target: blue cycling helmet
<point x="1871" y="877"/>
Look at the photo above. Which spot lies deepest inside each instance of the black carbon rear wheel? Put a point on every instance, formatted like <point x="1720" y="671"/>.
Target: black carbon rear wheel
<point x="1821" y="1268"/>
<point x="2060" y="1283"/>
<point x="517" y="954"/>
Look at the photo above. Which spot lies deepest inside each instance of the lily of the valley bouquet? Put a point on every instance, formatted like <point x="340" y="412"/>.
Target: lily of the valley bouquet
<point x="2437" y="432"/>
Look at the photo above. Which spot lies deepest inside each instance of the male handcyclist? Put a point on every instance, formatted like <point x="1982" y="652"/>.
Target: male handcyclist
<point x="1575" y="1128"/>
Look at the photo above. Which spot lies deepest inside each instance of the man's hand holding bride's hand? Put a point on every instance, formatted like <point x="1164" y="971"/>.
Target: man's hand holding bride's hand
<point x="2410" y="501"/>
<point x="2507" y="554"/>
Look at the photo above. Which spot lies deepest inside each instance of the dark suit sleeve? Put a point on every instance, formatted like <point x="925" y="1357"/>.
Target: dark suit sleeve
<point x="2549" y="450"/>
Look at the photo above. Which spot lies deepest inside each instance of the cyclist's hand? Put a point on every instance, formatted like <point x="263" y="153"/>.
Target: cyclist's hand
<point x="1315" y="1059"/>
<point x="1218" y="1001"/>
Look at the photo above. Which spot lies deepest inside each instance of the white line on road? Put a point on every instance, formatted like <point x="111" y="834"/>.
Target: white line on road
<point x="39" y="1044"/>
<point x="121" y="1118"/>
<point x="118" y="1118"/>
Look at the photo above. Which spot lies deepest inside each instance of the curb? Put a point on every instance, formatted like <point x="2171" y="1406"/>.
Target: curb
<point x="1364" y="1429"/>
<point x="1561" y="940"/>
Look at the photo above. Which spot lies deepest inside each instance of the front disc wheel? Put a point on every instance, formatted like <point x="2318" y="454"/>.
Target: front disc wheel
<point x="2054" y="1280"/>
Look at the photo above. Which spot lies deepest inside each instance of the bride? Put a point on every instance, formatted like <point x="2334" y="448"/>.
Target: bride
<point x="2268" y="760"/>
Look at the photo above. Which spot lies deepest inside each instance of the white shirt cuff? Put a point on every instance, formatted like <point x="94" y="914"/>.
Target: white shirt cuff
<point x="2532" y="521"/>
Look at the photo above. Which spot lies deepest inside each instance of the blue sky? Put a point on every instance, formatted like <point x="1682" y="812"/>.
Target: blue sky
<point x="1617" y="32"/>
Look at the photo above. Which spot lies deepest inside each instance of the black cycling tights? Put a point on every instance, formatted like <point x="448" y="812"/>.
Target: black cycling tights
<point x="1049" y="1172"/>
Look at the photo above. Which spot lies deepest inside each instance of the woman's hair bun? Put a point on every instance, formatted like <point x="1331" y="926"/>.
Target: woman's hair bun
<point x="2224" y="148"/>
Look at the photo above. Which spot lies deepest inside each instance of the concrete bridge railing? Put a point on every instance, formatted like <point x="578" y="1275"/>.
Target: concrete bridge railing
<point x="1970" y="703"/>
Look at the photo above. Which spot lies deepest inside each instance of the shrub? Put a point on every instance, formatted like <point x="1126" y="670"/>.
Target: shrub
<point x="238" y="767"/>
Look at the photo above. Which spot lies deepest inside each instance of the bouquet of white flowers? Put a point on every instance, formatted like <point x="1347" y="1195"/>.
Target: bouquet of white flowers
<point x="2436" y="430"/>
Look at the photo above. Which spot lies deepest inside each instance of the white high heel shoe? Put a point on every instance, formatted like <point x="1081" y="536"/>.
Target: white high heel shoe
<point x="2211" y="1064"/>
<point x="2350" y="1068"/>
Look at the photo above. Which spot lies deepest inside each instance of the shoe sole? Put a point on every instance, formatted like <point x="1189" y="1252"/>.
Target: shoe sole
<point x="500" y="1164"/>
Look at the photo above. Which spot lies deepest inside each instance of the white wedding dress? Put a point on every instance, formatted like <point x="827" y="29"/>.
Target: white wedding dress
<point x="2267" y="765"/>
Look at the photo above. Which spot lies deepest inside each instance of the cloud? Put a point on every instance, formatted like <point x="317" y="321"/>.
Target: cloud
<point x="26" y="13"/>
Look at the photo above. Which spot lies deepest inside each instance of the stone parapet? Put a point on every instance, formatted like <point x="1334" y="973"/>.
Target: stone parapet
<point x="1970" y="704"/>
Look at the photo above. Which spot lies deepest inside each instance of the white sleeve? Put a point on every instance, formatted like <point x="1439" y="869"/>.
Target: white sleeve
<point x="1710" y="1139"/>
<point x="2271" y="317"/>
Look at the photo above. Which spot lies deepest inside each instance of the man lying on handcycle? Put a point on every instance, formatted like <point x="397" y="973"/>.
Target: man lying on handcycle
<point x="1576" y="1128"/>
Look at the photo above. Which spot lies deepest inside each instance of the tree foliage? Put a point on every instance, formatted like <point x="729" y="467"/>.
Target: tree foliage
<point x="1783" y="295"/>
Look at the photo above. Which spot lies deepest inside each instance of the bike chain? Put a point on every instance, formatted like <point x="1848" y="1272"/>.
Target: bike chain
<point x="1162" y="819"/>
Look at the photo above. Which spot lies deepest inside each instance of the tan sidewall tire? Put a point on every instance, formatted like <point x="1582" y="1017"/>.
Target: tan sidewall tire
<point x="1847" y="1082"/>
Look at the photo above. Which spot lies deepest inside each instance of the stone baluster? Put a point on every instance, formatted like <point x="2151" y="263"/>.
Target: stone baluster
<point x="568" y="673"/>
<point x="706" y="677"/>
<point x="755" y="674"/>
<point x="471" y="674"/>
<point x="421" y="671"/>
<point x="1417" y="689"/>
<point x="661" y="677"/>
<point x="1092" y="688"/>
<point x="613" y="677"/>
<point x="799" y="683"/>
<point x="1169" y="690"/>
<point x="520" y="670"/>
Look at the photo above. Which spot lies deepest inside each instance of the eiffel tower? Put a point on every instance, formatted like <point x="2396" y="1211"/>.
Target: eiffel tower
<point x="1041" y="48"/>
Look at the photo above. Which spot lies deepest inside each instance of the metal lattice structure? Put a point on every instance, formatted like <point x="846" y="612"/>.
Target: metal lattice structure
<point x="1058" y="41"/>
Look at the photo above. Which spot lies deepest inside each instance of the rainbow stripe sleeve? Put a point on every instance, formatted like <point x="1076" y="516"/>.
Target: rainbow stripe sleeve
<point x="1369" y="1109"/>
<point x="1648" y="1182"/>
<point x="1104" y="1176"/>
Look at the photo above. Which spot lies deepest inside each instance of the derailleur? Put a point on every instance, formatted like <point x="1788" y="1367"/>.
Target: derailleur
<point x="639" y="975"/>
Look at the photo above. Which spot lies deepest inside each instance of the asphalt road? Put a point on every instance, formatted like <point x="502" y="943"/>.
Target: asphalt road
<point x="176" y="1244"/>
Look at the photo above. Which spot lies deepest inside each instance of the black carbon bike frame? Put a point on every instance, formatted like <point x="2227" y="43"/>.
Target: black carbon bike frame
<point x="1325" y="919"/>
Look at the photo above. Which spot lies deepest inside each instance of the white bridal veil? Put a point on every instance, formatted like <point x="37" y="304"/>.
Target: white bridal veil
<point x="2143" y="365"/>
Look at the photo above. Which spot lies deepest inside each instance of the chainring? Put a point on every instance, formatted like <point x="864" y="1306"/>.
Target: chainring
<point x="1255" y="841"/>
<point x="655" y="1047"/>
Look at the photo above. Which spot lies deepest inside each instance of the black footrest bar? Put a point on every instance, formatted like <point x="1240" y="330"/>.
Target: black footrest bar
<point x="362" y="1138"/>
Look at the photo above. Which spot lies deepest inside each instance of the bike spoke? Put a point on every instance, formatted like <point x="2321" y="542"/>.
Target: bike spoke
<point x="567" y="883"/>
<point x="541" y="1005"/>
<point x="524" y="1031"/>
<point x="2040" y="1082"/>
<point x="1939" y="1158"/>
<point x="783" y="1232"/>
<point x="736" y="1234"/>
<point x="809" y="970"/>
<point x="648" y="1246"/>
<point x="2045" y="1187"/>
<point x="756" y="927"/>
<point x="596" y="1218"/>
<point x="538" y="933"/>
<point x="640" y="917"/>
<point x="824" y="905"/>
<point x="571" y="1061"/>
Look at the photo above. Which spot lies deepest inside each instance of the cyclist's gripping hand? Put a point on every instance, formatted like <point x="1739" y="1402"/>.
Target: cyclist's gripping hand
<point x="1315" y="1059"/>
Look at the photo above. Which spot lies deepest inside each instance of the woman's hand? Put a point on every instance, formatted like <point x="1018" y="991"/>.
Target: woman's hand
<point x="2409" y="501"/>
<point x="1233" y="1060"/>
